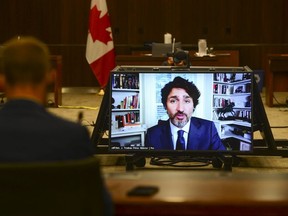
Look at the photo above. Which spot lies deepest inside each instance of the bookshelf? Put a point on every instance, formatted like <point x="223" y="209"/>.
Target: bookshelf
<point x="126" y="121"/>
<point x="232" y="109"/>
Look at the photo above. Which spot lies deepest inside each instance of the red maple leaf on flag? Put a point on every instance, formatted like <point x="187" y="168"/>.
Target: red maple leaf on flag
<point x="98" y="26"/>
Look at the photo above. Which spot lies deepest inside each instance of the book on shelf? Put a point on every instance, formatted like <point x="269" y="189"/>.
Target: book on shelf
<point x="131" y="119"/>
<point x="130" y="102"/>
<point x="222" y="89"/>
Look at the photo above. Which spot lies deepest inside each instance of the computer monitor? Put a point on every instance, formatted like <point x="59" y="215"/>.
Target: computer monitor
<point x="162" y="49"/>
<point x="141" y="104"/>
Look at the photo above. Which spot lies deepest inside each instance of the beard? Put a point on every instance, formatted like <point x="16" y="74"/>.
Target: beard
<point x="180" y="123"/>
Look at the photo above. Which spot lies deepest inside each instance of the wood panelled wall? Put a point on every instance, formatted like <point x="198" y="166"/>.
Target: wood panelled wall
<point x="255" y="28"/>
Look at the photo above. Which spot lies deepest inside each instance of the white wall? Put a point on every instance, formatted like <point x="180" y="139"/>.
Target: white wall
<point x="149" y="83"/>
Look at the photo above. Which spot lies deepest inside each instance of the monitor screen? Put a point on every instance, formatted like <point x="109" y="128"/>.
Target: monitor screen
<point x="162" y="49"/>
<point x="212" y="107"/>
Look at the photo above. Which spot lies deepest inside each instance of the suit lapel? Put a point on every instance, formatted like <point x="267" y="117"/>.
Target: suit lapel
<point x="194" y="135"/>
<point x="166" y="136"/>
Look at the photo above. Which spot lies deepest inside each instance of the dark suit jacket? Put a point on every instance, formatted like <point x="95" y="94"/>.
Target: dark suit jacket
<point x="202" y="136"/>
<point x="30" y="133"/>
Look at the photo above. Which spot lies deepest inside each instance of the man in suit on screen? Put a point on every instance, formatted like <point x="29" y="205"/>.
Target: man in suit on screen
<point x="182" y="131"/>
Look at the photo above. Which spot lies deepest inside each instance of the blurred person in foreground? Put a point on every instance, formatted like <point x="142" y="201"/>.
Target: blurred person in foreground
<point x="29" y="133"/>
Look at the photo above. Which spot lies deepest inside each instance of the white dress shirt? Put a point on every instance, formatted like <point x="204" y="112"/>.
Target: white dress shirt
<point x="174" y="133"/>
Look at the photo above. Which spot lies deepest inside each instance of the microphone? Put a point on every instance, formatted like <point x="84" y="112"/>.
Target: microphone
<point x="80" y="117"/>
<point x="173" y="45"/>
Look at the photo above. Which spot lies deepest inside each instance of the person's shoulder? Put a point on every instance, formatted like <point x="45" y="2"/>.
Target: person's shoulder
<point x="197" y="120"/>
<point x="161" y="124"/>
<point x="153" y="128"/>
<point x="65" y="122"/>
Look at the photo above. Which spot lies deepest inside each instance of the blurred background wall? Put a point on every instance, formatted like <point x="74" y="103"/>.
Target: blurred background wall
<point x="254" y="28"/>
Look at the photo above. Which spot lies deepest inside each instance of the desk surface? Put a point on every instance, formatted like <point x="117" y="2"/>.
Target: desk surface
<point x="203" y="191"/>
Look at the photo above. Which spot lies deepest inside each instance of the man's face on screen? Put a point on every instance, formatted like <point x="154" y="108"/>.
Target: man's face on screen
<point x="179" y="107"/>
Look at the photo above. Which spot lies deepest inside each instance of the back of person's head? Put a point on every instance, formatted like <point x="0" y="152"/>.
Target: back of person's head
<point x="179" y="82"/>
<point x="180" y="56"/>
<point x="25" y="60"/>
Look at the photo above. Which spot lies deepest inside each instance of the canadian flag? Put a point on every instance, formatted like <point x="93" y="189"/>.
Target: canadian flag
<point x="100" y="48"/>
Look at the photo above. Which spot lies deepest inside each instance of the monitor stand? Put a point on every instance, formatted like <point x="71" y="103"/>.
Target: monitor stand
<point x="133" y="160"/>
<point x="268" y="145"/>
<point x="98" y="139"/>
<point x="221" y="161"/>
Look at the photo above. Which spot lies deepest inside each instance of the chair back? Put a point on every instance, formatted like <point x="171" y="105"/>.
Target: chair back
<point x="67" y="188"/>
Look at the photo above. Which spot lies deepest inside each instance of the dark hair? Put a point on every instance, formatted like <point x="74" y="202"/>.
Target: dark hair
<point x="179" y="82"/>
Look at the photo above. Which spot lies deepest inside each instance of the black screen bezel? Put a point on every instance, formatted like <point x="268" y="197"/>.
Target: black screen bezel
<point x="202" y="69"/>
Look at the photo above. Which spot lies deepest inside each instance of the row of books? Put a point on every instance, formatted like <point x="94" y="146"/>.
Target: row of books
<point x="242" y="115"/>
<point x="130" y="119"/>
<point x="231" y="77"/>
<point x="230" y="89"/>
<point x="222" y="89"/>
<point x="130" y="102"/>
<point x="125" y="81"/>
<point x="219" y="102"/>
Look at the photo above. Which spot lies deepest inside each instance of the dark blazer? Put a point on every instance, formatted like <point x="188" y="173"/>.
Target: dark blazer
<point x="30" y="133"/>
<point x="202" y="136"/>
